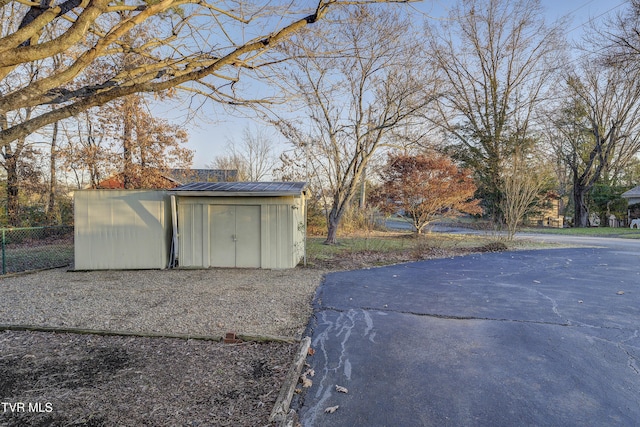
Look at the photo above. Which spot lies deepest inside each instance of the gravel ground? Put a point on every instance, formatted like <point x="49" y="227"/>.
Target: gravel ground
<point x="196" y="302"/>
<point x="60" y="379"/>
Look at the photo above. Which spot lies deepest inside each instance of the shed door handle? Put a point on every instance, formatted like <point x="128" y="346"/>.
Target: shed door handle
<point x="233" y="237"/>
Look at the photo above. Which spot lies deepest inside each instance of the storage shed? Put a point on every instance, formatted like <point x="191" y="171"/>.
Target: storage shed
<point x="198" y="225"/>
<point x="121" y="229"/>
<point x="240" y="224"/>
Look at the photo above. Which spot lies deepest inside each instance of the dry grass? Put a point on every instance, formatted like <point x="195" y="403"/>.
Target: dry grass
<point x="377" y="248"/>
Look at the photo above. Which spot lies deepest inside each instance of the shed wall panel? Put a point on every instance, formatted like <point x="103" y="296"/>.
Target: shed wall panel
<point x="121" y="229"/>
<point x="299" y="230"/>
<point x="222" y="235"/>
<point x="276" y="237"/>
<point x="278" y="231"/>
<point x="190" y="229"/>
<point x="633" y="200"/>
<point x="248" y="237"/>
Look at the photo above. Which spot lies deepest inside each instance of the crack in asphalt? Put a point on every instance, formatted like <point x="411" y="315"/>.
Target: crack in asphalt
<point x="445" y="316"/>
<point x="566" y="323"/>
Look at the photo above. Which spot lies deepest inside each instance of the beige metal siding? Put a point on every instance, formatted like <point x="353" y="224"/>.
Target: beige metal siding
<point x="222" y="235"/>
<point x="247" y="237"/>
<point x="276" y="238"/>
<point x="212" y="235"/>
<point x="234" y="236"/>
<point x="190" y="235"/>
<point x="299" y="230"/>
<point x="266" y="232"/>
<point x="121" y="229"/>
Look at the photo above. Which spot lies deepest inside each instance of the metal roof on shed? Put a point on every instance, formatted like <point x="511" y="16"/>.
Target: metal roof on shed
<point x="244" y="189"/>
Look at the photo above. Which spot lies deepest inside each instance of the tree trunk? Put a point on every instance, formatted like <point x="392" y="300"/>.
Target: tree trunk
<point x="332" y="232"/>
<point x="52" y="177"/>
<point x="581" y="216"/>
<point x="333" y="222"/>
<point x="420" y="230"/>
<point x="13" y="204"/>
<point x="363" y="189"/>
<point x="127" y="142"/>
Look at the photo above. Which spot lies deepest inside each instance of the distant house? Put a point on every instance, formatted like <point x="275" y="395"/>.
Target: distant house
<point x="170" y="179"/>
<point x="188" y="176"/>
<point x="158" y="182"/>
<point x="633" y="200"/>
<point x="549" y="212"/>
<point x="632" y="196"/>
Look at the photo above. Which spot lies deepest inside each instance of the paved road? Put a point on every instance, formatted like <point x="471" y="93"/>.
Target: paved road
<point x="621" y="244"/>
<point x="529" y="338"/>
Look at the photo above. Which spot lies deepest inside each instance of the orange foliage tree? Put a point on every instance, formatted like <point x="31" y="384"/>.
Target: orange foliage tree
<point x="425" y="187"/>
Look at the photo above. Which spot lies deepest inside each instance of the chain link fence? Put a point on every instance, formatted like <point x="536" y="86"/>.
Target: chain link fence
<point x="25" y="249"/>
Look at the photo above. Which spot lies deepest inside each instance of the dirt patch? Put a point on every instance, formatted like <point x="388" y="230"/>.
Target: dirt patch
<point x="86" y="380"/>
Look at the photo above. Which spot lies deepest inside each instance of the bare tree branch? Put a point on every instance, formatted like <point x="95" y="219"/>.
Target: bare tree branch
<point x="96" y="34"/>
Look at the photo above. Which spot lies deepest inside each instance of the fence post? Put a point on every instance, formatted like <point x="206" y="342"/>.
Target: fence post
<point x="4" y="262"/>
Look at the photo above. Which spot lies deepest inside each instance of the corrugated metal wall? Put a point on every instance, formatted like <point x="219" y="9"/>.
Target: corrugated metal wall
<point x="121" y="229"/>
<point x="277" y="239"/>
<point x="205" y="241"/>
<point x="131" y="229"/>
<point x="191" y="241"/>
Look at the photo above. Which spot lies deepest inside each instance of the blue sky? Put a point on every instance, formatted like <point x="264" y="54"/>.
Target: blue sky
<point x="210" y="139"/>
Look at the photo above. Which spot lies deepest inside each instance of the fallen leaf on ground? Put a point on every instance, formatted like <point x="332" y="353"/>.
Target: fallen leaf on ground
<point x="331" y="409"/>
<point x="309" y="372"/>
<point x="341" y="389"/>
<point x="311" y="351"/>
<point x="306" y="382"/>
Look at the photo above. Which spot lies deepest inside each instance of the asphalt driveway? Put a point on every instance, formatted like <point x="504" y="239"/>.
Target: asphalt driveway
<point x="529" y="338"/>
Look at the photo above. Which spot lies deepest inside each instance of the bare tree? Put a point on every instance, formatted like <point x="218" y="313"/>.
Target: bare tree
<point x="497" y="58"/>
<point x="352" y="97"/>
<point x="600" y="126"/>
<point x="59" y="58"/>
<point x="617" y="39"/>
<point x="53" y="158"/>
<point x="522" y="182"/>
<point x="253" y="156"/>
<point x="195" y="45"/>
<point x="87" y="150"/>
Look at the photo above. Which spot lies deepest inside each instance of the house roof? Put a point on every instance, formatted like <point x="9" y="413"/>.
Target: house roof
<point x="242" y="189"/>
<point x="154" y="181"/>
<point x="186" y="176"/>
<point x="633" y="193"/>
<point x="169" y="179"/>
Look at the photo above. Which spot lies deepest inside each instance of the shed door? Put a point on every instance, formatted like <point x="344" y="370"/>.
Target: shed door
<point x="235" y="236"/>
